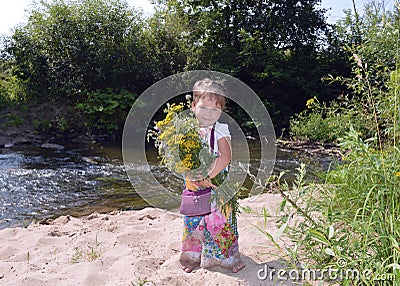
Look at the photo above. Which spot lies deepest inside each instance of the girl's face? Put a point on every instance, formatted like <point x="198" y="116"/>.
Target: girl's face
<point x="207" y="111"/>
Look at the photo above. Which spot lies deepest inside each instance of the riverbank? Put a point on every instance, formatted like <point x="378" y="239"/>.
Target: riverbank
<point x="46" y="125"/>
<point x="36" y="124"/>
<point x="128" y="248"/>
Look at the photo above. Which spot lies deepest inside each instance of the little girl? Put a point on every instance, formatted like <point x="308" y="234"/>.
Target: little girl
<point x="212" y="239"/>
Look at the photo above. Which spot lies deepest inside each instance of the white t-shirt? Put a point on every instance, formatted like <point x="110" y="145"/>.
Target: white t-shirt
<point x="221" y="130"/>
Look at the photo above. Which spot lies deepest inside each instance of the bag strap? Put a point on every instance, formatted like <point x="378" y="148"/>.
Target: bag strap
<point x="212" y="138"/>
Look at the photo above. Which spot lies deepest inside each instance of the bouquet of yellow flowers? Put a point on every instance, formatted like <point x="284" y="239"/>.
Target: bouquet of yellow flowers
<point x="183" y="149"/>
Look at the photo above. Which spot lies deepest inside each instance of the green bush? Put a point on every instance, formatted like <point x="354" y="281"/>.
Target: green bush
<point x="12" y="88"/>
<point x="310" y="127"/>
<point x="329" y="122"/>
<point x="68" y="47"/>
<point x="106" y="110"/>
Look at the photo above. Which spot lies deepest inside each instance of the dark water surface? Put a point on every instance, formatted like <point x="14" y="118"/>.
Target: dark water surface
<point x="36" y="183"/>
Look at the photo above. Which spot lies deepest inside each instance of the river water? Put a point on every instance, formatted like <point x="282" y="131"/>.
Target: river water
<point x="37" y="183"/>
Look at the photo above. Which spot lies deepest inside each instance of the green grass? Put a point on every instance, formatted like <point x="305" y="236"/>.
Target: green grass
<point x="87" y="254"/>
<point x="350" y="222"/>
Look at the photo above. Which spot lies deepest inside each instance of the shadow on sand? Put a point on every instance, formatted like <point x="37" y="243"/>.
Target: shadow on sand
<point x="263" y="274"/>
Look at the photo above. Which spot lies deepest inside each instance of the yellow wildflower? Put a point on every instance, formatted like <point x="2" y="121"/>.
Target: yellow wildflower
<point x="310" y="103"/>
<point x="187" y="161"/>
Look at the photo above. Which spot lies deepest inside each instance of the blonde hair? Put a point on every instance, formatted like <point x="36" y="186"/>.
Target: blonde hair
<point x="211" y="89"/>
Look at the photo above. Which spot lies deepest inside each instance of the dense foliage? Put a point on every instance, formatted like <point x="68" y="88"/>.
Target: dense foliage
<point x="66" y="48"/>
<point x="278" y="48"/>
<point x="69" y="49"/>
<point x="74" y="52"/>
<point x="349" y="223"/>
<point x="368" y="106"/>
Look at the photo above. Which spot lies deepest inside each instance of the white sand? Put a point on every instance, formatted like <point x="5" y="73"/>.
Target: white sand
<point x="127" y="248"/>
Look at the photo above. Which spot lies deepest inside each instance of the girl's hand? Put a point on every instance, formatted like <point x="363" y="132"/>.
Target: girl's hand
<point x="195" y="184"/>
<point x="204" y="183"/>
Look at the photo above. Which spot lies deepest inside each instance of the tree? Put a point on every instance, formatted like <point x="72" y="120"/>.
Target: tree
<point x="274" y="46"/>
<point x="169" y="38"/>
<point x="71" y="46"/>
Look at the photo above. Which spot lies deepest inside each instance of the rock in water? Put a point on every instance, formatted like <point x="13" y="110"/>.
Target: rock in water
<point x="52" y="146"/>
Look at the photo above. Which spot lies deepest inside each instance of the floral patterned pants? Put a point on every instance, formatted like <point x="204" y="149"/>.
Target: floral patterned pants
<point x="210" y="240"/>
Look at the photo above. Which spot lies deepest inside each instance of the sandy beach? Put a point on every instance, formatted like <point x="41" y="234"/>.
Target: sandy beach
<point x="128" y="248"/>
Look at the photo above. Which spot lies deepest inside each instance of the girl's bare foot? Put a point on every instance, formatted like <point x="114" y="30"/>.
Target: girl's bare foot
<point x="188" y="267"/>
<point x="238" y="267"/>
